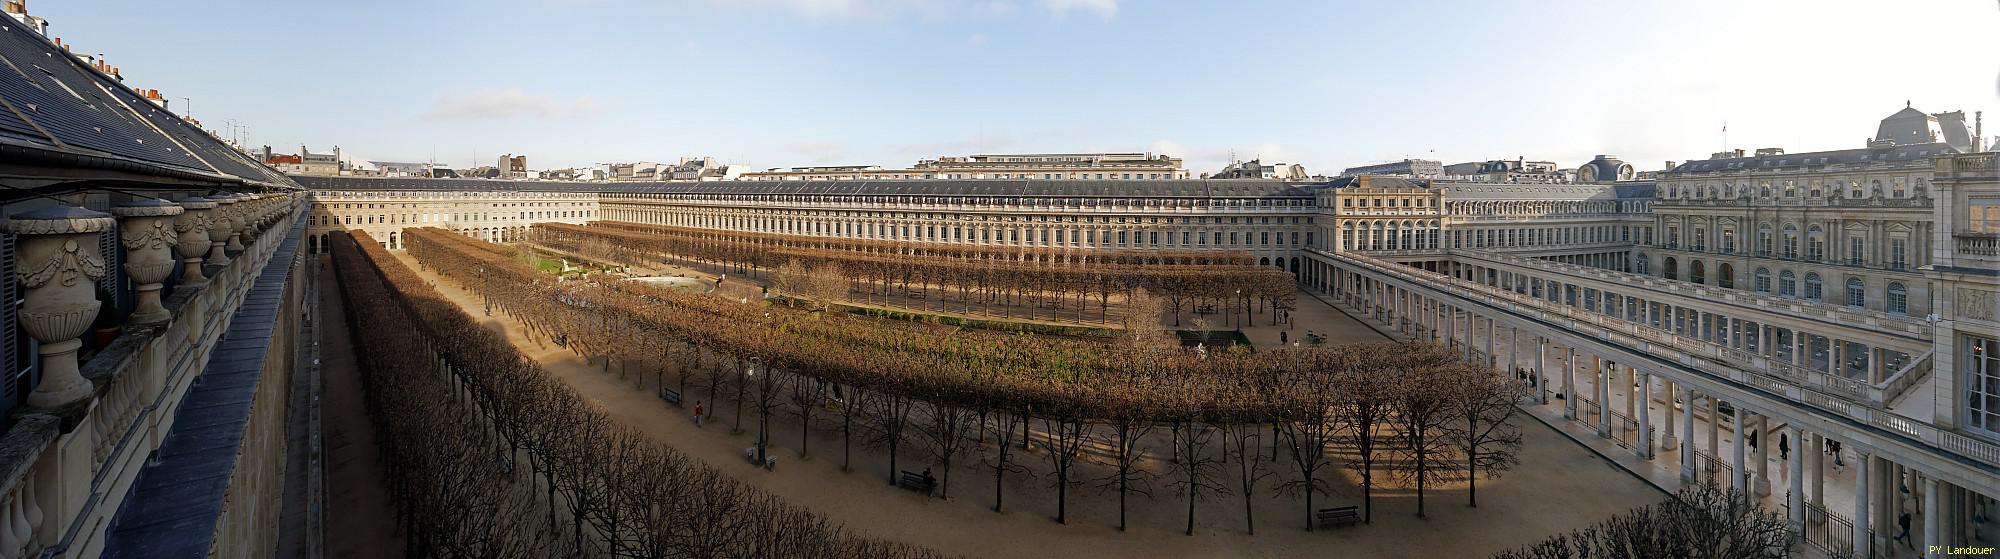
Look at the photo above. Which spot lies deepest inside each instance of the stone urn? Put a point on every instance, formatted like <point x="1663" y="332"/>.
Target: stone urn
<point x="219" y="229"/>
<point x="193" y="243"/>
<point x="149" y="236"/>
<point x="58" y="268"/>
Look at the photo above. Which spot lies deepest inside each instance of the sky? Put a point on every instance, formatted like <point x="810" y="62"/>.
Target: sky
<point x="780" y="83"/>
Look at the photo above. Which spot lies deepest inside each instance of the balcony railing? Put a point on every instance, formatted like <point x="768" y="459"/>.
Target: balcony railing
<point x="75" y="451"/>
<point x="1976" y="244"/>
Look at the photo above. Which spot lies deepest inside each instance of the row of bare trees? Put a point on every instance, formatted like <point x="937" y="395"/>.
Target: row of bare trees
<point x="1415" y="412"/>
<point x="459" y="411"/>
<point x="990" y="280"/>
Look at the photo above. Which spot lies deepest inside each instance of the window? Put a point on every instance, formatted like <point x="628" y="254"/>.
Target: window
<point x="1899" y="298"/>
<point x="1791" y="241"/>
<point x="1897" y="256"/>
<point x="1700" y="240"/>
<point x="1764" y="240"/>
<point x="1857" y="292"/>
<point x="1982" y="381"/>
<point x="1814" y="289"/>
<point x="1788" y="284"/>
<point x="1815" y="243"/>
<point x="1729" y="241"/>
<point x="1763" y="284"/>
<point x="1856" y="251"/>
<point x="1982" y="214"/>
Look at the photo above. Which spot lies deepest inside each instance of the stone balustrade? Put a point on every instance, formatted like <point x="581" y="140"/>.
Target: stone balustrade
<point x="78" y="443"/>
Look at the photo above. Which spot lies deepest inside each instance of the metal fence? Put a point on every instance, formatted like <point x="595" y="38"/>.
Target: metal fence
<point x="1829" y="532"/>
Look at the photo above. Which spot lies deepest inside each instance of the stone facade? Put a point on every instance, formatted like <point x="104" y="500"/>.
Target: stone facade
<point x="495" y="215"/>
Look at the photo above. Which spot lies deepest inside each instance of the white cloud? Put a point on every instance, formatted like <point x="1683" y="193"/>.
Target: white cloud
<point x="1169" y="148"/>
<point x="508" y="103"/>
<point x="1106" y="9"/>
<point x="977" y="40"/>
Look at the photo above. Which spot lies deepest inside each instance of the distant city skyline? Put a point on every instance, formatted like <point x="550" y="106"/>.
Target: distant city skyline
<point x="783" y="83"/>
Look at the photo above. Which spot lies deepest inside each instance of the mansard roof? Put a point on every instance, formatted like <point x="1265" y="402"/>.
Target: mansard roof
<point x="67" y="115"/>
<point x="1795" y="161"/>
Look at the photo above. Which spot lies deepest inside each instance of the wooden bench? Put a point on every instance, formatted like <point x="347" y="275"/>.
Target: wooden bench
<point x="1339" y="516"/>
<point x="915" y="482"/>
<point x="670" y="395"/>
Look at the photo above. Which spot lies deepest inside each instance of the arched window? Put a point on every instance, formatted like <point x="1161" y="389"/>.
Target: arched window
<point x="1763" y="284"/>
<point x="1788" y="284"/>
<point x="1725" y="276"/>
<point x="1668" y="268"/>
<point x="1857" y="292"/>
<point x="1697" y="272"/>
<point x="1640" y="265"/>
<point x="1814" y="288"/>
<point x="1899" y="298"/>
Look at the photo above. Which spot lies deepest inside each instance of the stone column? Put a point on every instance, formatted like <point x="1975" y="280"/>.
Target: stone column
<point x="1687" y="439"/>
<point x="220" y="229"/>
<point x="1764" y="442"/>
<point x="1739" y="479"/>
<point x="1569" y="385"/>
<point x="1645" y="418"/>
<point x="1492" y="360"/>
<point x="1862" y="546"/>
<point x="149" y="239"/>
<point x="1797" y="500"/>
<point x="1933" y="523"/>
<point x="1603" y="396"/>
<point x="1541" y="382"/>
<point x="1513" y="350"/>
<point x="58" y="265"/>
<point x="1669" y="440"/>
<point x="1714" y="430"/>
<point x="193" y="242"/>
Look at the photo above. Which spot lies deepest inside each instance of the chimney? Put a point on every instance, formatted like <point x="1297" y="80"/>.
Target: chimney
<point x="1670" y="165"/>
<point x="1978" y="131"/>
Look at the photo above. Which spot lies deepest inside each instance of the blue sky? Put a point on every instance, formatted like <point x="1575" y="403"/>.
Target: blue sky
<point x="772" y="83"/>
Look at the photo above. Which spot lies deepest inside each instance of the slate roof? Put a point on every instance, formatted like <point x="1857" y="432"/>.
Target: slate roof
<point x="1193" y="188"/>
<point x="57" y="111"/>
<point x="177" y="499"/>
<point x="1794" y="161"/>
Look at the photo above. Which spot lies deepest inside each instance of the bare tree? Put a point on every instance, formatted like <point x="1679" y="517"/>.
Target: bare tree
<point x="1483" y="406"/>
<point x="1067" y="433"/>
<point x="1422" y="407"/>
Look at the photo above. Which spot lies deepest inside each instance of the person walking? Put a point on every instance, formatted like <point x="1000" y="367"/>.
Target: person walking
<point x="1784" y="446"/>
<point x="697" y="413"/>
<point x="1903" y="521"/>
<point x="1282" y="338"/>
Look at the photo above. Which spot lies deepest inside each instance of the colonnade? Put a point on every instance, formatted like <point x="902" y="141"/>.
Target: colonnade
<point x="1881" y="487"/>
